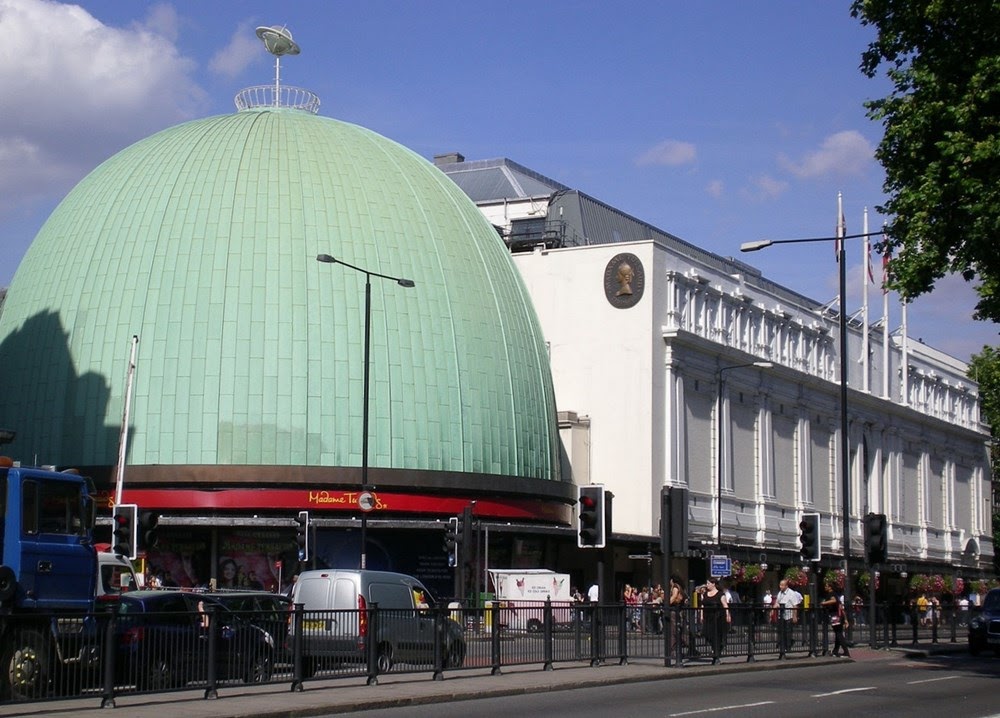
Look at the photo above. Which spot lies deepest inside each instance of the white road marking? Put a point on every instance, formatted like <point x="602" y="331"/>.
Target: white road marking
<point x="845" y="690"/>
<point x="720" y="708"/>
<point x="932" y="680"/>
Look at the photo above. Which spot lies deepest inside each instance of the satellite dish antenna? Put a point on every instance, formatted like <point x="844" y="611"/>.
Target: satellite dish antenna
<point x="278" y="41"/>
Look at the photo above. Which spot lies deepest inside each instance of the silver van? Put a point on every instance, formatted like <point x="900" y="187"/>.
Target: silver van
<point x="337" y="607"/>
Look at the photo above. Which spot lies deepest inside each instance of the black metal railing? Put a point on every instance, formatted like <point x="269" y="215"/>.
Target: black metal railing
<point x="110" y="653"/>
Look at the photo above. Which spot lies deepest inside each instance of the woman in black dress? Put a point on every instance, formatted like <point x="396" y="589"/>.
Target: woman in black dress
<point x="715" y="617"/>
<point x="837" y="618"/>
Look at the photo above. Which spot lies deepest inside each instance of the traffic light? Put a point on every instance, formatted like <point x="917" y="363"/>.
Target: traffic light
<point x="876" y="538"/>
<point x="302" y="534"/>
<point x="466" y="538"/>
<point x="148" y="521"/>
<point x="123" y="533"/>
<point x="809" y="539"/>
<point x="590" y="517"/>
<point x="673" y="520"/>
<point x="451" y="541"/>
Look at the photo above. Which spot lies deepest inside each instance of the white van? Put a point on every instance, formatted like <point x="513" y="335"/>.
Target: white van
<point x="115" y="575"/>
<point x="335" y="626"/>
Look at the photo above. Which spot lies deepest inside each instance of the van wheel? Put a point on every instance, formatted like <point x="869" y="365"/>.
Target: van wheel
<point x="456" y="655"/>
<point x="25" y="665"/>
<point x="384" y="660"/>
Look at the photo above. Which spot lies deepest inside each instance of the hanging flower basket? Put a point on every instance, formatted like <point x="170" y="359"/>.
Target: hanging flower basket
<point x="864" y="580"/>
<point x="747" y="573"/>
<point x="919" y="583"/>
<point x="953" y="585"/>
<point x="833" y="580"/>
<point x="982" y="585"/>
<point x="927" y="583"/>
<point x="796" y="577"/>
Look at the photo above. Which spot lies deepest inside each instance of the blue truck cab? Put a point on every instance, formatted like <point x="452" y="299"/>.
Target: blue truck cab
<point x="46" y="541"/>
<point x="48" y="575"/>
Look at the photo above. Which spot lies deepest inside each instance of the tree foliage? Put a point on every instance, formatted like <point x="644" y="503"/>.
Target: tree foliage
<point x="984" y="368"/>
<point x="941" y="143"/>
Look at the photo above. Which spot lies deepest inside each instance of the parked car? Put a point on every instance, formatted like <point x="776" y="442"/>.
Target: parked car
<point x="335" y="625"/>
<point x="268" y="611"/>
<point x="984" y="628"/>
<point x="163" y="641"/>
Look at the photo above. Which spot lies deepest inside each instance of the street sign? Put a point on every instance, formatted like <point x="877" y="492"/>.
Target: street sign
<point x="721" y="566"/>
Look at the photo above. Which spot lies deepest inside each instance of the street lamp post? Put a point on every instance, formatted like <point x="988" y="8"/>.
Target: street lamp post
<point x="363" y="498"/>
<point x="719" y="475"/>
<point x="845" y="475"/>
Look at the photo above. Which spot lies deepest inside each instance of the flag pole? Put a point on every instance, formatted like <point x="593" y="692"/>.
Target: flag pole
<point x="885" y="317"/>
<point x="865" y="278"/>
<point x="904" y="383"/>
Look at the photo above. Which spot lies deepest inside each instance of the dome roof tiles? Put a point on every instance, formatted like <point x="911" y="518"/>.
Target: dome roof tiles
<point x="202" y="241"/>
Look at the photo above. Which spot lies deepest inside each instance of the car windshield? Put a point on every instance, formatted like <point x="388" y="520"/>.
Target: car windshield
<point x="992" y="602"/>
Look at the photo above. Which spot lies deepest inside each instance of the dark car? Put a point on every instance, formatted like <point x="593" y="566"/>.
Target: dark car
<point x="164" y="636"/>
<point x="268" y="611"/>
<point x="984" y="628"/>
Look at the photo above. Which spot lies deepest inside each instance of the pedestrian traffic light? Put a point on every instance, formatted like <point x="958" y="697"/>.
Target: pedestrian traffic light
<point x="590" y="517"/>
<point x="809" y="538"/>
<point x="148" y="521"/>
<point x="451" y="541"/>
<point x="876" y="538"/>
<point x="124" y="530"/>
<point x="302" y="535"/>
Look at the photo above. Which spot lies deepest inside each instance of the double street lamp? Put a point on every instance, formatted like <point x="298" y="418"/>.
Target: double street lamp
<point x="845" y="476"/>
<point x="720" y="444"/>
<point x="365" y="499"/>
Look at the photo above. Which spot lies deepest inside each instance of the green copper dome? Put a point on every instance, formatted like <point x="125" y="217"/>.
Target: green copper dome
<point x="202" y="241"/>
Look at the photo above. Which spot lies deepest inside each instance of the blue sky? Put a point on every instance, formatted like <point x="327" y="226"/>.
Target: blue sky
<point x="720" y="122"/>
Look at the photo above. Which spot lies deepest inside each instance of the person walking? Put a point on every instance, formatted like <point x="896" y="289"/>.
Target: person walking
<point x="716" y="618"/>
<point x="837" y="618"/>
<point x="677" y="623"/>
<point x="787" y="601"/>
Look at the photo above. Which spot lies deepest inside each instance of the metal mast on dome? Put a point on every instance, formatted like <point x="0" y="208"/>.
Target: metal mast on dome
<point x="278" y="41"/>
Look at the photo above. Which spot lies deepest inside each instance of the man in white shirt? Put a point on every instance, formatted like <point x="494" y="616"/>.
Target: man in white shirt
<point x="788" y="601"/>
<point x="593" y="593"/>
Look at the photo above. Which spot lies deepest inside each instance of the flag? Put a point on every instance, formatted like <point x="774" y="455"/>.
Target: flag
<point x="841" y="225"/>
<point x="886" y="256"/>
<point x="868" y="255"/>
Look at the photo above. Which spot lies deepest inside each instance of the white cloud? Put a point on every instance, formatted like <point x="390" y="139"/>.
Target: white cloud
<point x="715" y="188"/>
<point x="244" y="48"/>
<point x="842" y="153"/>
<point x="764" y="187"/>
<point x="670" y="153"/>
<point x="84" y="93"/>
<point x="162" y="20"/>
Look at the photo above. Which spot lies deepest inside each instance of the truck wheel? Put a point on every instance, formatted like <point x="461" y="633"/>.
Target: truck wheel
<point x="25" y="665"/>
<point x="8" y="583"/>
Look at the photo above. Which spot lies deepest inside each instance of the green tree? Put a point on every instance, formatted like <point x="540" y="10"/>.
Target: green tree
<point x="941" y="147"/>
<point x="984" y="368"/>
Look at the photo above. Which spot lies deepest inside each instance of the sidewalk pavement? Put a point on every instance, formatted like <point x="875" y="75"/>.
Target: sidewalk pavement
<point x="341" y="695"/>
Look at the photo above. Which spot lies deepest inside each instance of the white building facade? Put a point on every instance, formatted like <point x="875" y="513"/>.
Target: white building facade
<point x="677" y="367"/>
